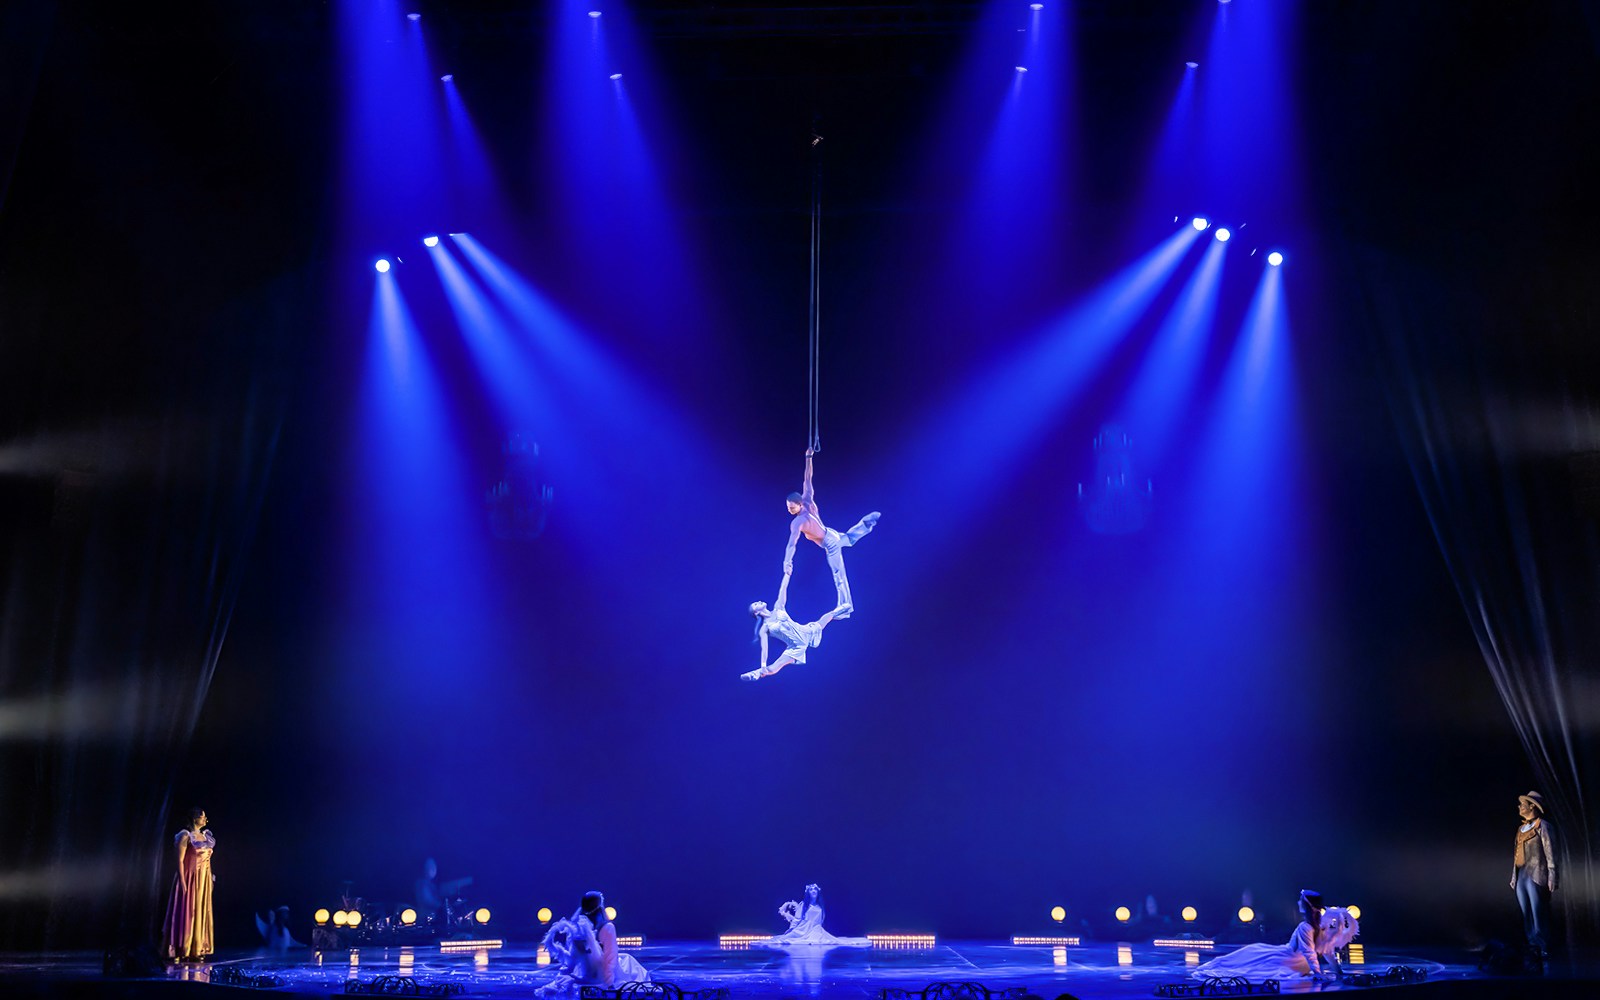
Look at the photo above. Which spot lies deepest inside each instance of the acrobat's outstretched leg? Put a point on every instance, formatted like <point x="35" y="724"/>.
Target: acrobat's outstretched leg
<point x="834" y="546"/>
<point x="769" y="669"/>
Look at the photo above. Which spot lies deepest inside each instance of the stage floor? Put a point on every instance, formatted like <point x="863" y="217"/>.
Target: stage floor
<point x="1094" y="970"/>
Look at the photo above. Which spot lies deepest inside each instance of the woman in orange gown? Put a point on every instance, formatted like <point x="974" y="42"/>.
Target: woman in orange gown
<point x="188" y="926"/>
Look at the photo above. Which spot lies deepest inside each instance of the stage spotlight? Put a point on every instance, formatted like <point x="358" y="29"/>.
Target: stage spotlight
<point x="1036" y="6"/>
<point x="1246" y="915"/>
<point x="1124" y="914"/>
<point x="447" y="78"/>
<point x="413" y="17"/>
<point x="382" y="265"/>
<point x="1355" y="911"/>
<point x="482" y="916"/>
<point x="340" y="918"/>
<point x="1192" y="65"/>
<point x="545" y="914"/>
<point x="1190" y="914"/>
<point x="616" y="76"/>
<point x="321" y="916"/>
<point x="408" y="916"/>
<point x="1222" y="235"/>
<point x="430" y="241"/>
<point x="1058" y="913"/>
<point x="1200" y="223"/>
<point x="611" y="913"/>
<point x="594" y="13"/>
<point x="1022" y="69"/>
<point x="1275" y="258"/>
<point x="355" y="918"/>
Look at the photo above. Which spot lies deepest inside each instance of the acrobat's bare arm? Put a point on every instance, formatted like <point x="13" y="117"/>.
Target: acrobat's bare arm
<point x="783" y="595"/>
<point x="808" y="494"/>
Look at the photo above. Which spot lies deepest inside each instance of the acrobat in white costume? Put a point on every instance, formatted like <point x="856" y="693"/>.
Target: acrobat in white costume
<point x="805" y="926"/>
<point x="796" y="638"/>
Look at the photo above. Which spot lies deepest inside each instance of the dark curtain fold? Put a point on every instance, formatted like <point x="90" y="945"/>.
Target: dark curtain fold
<point x="1491" y="377"/>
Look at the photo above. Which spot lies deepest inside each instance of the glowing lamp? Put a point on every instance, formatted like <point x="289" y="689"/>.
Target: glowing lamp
<point x="1223" y="235"/>
<point x="1124" y="914"/>
<point x="355" y="918"/>
<point x="382" y="265"/>
<point x="340" y="918"/>
<point x="1190" y="914"/>
<point x="448" y="78"/>
<point x="1246" y="915"/>
<point x="1274" y="258"/>
<point x="545" y="914"/>
<point x="594" y="13"/>
<point x="482" y="916"/>
<point x="611" y="913"/>
<point x="430" y="241"/>
<point x="1355" y="911"/>
<point x="1200" y="223"/>
<point x="413" y="17"/>
<point x="616" y="76"/>
<point x="1192" y="64"/>
<point x="408" y="916"/>
<point x="1036" y="6"/>
<point x="321" y="916"/>
<point x="1022" y="69"/>
<point x="1058" y="913"/>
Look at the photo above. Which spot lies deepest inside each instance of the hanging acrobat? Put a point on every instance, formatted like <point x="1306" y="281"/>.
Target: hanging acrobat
<point x="805" y="520"/>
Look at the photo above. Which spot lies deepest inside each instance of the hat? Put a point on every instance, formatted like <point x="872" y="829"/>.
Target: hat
<point x="1534" y="799"/>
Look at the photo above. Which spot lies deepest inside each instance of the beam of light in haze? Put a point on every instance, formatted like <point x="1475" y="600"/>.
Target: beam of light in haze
<point x="1154" y="406"/>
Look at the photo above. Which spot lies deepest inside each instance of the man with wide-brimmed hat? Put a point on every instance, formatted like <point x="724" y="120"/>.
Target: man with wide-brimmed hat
<point x="1534" y="873"/>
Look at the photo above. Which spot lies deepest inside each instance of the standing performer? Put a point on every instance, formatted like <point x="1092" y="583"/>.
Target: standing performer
<point x="796" y="638"/>
<point x="1533" y="872"/>
<point x="188" y="928"/>
<point x="808" y="522"/>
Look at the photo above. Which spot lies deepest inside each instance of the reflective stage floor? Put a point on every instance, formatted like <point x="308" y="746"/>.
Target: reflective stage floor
<point x="1093" y="970"/>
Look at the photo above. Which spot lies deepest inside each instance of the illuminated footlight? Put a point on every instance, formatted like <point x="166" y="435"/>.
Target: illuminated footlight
<point x="616" y="76"/>
<point x="408" y="916"/>
<point x="1275" y="258"/>
<point x="340" y="918"/>
<point x="545" y="914"/>
<point x="430" y="241"/>
<point x="1223" y="235"/>
<point x="447" y="78"/>
<point x="1355" y="911"/>
<point x="1124" y="914"/>
<point x="382" y="265"/>
<point x="1058" y="913"/>
<point x="1246" y="915"/>
<point x="321" y="916"/>
<point x="1190" y="914"/>
<point x="355" y="918"/>
<point x="611" y="913"/>
<point x="482" y="916"/>
<point x="1200" y="223"/>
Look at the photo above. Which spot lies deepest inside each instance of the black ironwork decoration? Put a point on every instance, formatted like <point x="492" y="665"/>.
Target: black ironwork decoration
<point x="402" y="986"/>
<point x="954" y="991"/>
<point x="1388" y="977"/>
<point x="232" y="975"/>
<point x="1220" y="986"/>
<point x="658" y="989"/>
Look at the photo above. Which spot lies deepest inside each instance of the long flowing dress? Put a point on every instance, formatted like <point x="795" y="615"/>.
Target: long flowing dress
<point x="807" y="932"/>
<point x="578" y="968"/>
<point x="1258" y="962"/>
<point x="188" y="927"/>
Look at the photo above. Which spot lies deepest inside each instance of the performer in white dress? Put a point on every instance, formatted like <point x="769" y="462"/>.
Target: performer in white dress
<point x="584" y="951"/>
<point x="805" y="926"/>
<point x="1310" y="952"/>
<point x="796" y="638"/>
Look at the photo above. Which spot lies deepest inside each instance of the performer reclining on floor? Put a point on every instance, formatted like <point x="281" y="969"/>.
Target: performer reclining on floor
<point x="584" y="951"/>
<point x="1310" y="952"/>
<point x="796" y="638"/>
<point x="807" y="521"/>
<point x="805" y="926"/>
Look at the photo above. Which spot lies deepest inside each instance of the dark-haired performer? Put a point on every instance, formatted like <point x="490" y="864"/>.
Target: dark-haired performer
<point x="187" y="930"/>
<point x="1533" y="872"/>
<point x="808" y="522"/>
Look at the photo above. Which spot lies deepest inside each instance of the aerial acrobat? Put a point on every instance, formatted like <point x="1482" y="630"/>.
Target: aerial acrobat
<point x="807" y="521"/>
